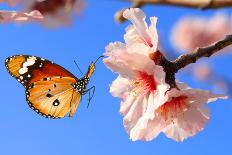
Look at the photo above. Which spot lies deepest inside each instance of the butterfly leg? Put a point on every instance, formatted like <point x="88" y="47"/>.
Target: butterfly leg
<point x="89" y="92"/>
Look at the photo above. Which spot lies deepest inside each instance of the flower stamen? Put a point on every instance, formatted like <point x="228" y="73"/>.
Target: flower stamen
<point x="172" y="108"/>
<point x="144" y="83"/>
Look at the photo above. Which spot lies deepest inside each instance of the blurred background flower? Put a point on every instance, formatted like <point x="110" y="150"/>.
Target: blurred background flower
<point x="191" y="32"/>
<point x="52" y="13"/>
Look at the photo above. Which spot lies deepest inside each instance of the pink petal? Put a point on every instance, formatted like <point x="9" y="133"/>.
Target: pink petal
<point x="191" y="122"/>
<point x="134" y="113"/>
<point x="126" y="104"/>
<point x="119" y="87"/>
<point x="126" y="62"/>
<point x="154" y="34"/>
<point x="200" y="97"/>
<point x="139" y="32"/>
<point x="19" y="17"/>
<point x="148" y="132"/>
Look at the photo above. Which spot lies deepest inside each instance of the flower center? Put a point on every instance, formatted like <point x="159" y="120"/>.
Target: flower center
<point x="175" y="106"/>
<point x="144" y="83"/>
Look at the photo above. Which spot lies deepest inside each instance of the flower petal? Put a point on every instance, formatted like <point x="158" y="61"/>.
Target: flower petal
<point x="19" y="17"/>
<point x="153" y="33"/>
<point x="119" y="87"/>
<point x="134" y="112"/>
<point x="148" y="132"/>
<point x="139" y="31"/>
<point x="191" y="122"/>
<point x="124" y="61"/>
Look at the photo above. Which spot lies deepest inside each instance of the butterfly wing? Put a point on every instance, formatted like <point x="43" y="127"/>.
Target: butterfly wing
<point x="54" y="97"/>
<point x="28" y="69"/>
<point x="49" y="87"/>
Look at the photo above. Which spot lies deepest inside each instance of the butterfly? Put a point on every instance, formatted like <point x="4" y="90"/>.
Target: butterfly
<point x="51" y="90"/>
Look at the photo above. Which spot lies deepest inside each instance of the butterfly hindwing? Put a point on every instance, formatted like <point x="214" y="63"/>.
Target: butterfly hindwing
<point x="54" y="97"/>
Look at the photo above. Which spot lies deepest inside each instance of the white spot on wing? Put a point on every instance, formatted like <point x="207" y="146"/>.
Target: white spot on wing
<point x="29" y="62"/>
<point x="23" y="70"/>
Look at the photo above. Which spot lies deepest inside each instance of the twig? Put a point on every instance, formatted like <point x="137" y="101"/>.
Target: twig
<point x="119" y="14"/>
<point x="186" y="59"/>
<point x="172" y="67"/>
<point x="200" y="4"/>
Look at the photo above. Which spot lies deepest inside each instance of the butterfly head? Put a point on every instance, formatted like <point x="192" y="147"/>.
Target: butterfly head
<point x="80" y="86"/>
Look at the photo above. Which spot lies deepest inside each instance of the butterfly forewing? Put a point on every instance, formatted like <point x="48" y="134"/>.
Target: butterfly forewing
<point x="53" y="97"/>
<point x="28" y="69"/>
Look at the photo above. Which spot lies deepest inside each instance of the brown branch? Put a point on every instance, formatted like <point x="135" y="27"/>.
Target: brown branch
<point x="172" y="67"/>
<point x="187" y="59"/>
<point x="119" y="14"/>
<point x="200" y="4"/>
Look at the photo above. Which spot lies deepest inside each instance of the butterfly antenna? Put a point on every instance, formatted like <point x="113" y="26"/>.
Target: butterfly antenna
<point x="98" y="59"/>
<point x="78" y="67"/>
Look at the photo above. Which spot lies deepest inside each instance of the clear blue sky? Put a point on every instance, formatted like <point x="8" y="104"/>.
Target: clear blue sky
<point x="99" y="129"/>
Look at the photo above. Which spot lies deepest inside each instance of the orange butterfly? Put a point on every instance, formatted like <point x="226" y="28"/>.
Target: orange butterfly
<point x="51" y="90"/>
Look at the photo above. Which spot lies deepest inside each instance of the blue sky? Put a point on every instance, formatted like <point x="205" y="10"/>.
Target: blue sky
<point x="98" y="129"/>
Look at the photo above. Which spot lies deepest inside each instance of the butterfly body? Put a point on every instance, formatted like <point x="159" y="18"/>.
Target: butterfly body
<point x="51" y="90"/>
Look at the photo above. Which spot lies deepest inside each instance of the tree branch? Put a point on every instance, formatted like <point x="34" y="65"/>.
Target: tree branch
<point x="200" y="4"/>
<point x="172" y="67"/>
<point x="187" y="59"/>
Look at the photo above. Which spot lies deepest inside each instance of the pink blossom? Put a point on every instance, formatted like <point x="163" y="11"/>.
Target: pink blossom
<point x="147" y="107"/>
<point x="193" y="32"/>
<point x="182" y="114"/>
<point x="54" y="12"/>
<point x="140" y="84"/>
<point x="19" y="17"/>
<point x="205" y="73"/>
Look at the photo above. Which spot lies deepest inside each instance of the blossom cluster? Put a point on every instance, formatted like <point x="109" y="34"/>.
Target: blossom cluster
<point x="148" y="106"/>
<point x="191" y="32"/>
<point x="49" y="12"/>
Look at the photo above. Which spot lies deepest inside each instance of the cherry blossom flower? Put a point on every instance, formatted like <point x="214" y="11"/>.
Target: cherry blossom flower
<point x="54" y="12"/>
<point x="182" y="114"/>
<point x="147" y="107"/>
<point x="192" y="32"/>
<point x="19" y="17"/>
<point x="141" y="83"/>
